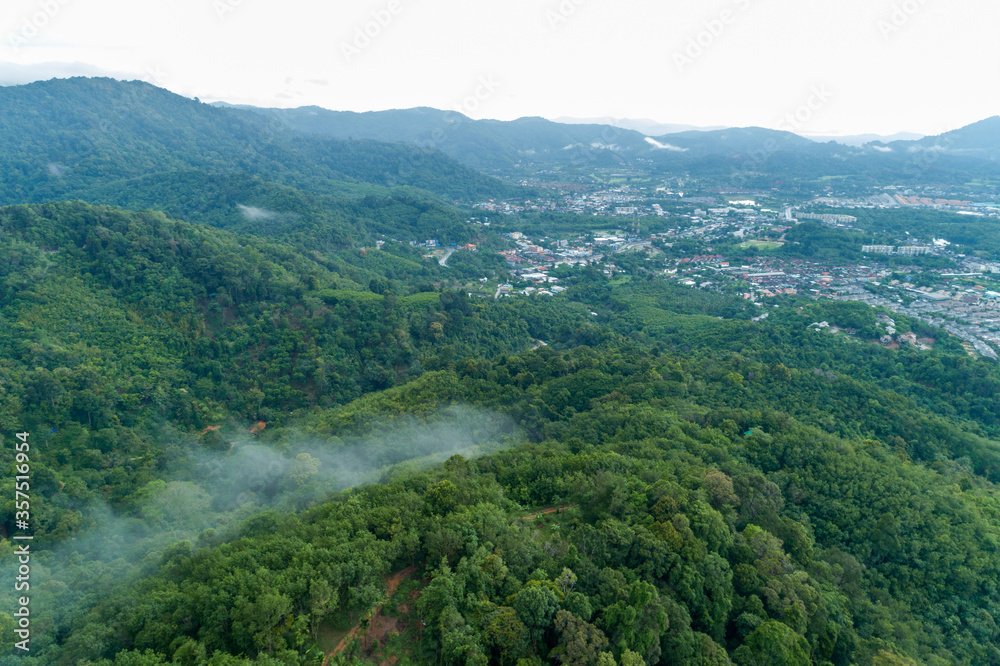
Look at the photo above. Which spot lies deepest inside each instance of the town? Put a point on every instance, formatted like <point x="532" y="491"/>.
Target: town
<point x="739" y="248"/>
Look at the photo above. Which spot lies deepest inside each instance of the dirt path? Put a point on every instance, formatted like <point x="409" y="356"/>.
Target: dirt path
<point x="393" y="583"/>
<point x="547" y="511"/>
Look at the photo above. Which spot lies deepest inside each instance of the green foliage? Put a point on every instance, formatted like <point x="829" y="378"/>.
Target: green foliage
<point x="115" y="321"/>
<point x="773" y="644"/>
<point x="103" y="140"/>
<point x="735" y="489"/>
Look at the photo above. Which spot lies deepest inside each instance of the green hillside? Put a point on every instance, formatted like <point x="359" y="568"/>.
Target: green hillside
<point x="237" y="442"/>
<point x="63" y="138"/>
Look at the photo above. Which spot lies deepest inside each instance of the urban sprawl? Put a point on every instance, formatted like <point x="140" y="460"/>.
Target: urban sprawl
<point x="950" y="299"/>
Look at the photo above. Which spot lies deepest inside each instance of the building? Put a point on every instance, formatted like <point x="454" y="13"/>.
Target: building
<point x="827" y="218"/>
<point x="902" y="250"/>
<point x="912" y="251"/>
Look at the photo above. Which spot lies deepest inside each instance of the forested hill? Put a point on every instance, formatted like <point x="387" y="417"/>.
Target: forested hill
<point x="482" y="144"/>
<point x="187" y="290"/>
<point x="356" y="216"/>
<point x="115" y="323"/>
<point x="205" y="408"/>
<point x="62" y="138"/>
<point x="492" y="144"/>
<point x="762" y="158"/>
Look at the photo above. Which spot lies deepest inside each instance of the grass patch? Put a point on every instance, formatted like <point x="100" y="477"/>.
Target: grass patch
<point x="333" y="629"/>
<point x="761" y="245"/>
<point x="422" y="299"/>
<point x="335" y="296"/>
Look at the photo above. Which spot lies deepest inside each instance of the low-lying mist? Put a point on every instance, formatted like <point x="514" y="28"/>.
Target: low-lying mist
<point x="218" y="491"/>
<point x="300" y="469"/>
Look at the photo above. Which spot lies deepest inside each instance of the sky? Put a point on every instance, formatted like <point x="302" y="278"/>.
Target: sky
<point x="832" y="67"/>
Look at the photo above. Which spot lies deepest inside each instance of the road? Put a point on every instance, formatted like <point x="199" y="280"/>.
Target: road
<point x="447" y="255"/>
<point x="545" y="512"/>
<point x="392" y="582"/>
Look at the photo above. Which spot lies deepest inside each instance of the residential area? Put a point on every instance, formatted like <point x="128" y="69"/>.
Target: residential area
<point x="965" y="301"/>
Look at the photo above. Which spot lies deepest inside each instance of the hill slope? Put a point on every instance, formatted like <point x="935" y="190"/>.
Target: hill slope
<point x="61" y="138"/>
<point x="737" y="492"/>
<point x="753" y="157"/>
<point x="980" y="140"/>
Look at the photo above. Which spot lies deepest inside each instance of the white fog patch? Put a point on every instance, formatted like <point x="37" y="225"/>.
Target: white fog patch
<point x="353" y="460"/>
<point x="882" y="149"/>
<point x="218" y="491"/>
<point x="254" y="213"/>
<point x="56" y="170"/>
<point x="664" y="146"/>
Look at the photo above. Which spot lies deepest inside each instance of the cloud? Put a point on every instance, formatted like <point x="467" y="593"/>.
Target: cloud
<point x="253" y="213"/>
<point x="882" y="149"/>
<point x="211" y="493"/>
<point x="256" y="473"/>
<point x="664" y="146"/>
<point x="219" y="489"/>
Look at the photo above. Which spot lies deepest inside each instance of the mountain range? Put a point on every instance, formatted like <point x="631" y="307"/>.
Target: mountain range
<point x="301" y="439"/>
<point x="62" y="136"/>
<point x="749" y="154"/>
<point x="654" y="129"/>
<point x="862" y="139"/>
<point x="643" y="125"/>
<point x="132" y="144"/>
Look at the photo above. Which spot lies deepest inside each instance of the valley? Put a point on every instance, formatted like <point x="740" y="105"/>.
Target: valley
<point x="304" y="389"/>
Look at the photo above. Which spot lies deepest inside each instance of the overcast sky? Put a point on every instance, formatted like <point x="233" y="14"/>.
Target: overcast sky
<point x="841" y="66"/>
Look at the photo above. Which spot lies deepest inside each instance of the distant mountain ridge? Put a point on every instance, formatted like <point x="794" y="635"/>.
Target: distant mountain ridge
<point x="980" y="139"/>
<point x="642" y="125"/>
<point x="482" y="144"/>
<point x="653" y="128"/>
<point x="536" y="142"/>
<point x="76" y="138"/>
<point x="750" y="157"/>
<point x="59" y="138"/>
<point x="862" y="139"/>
